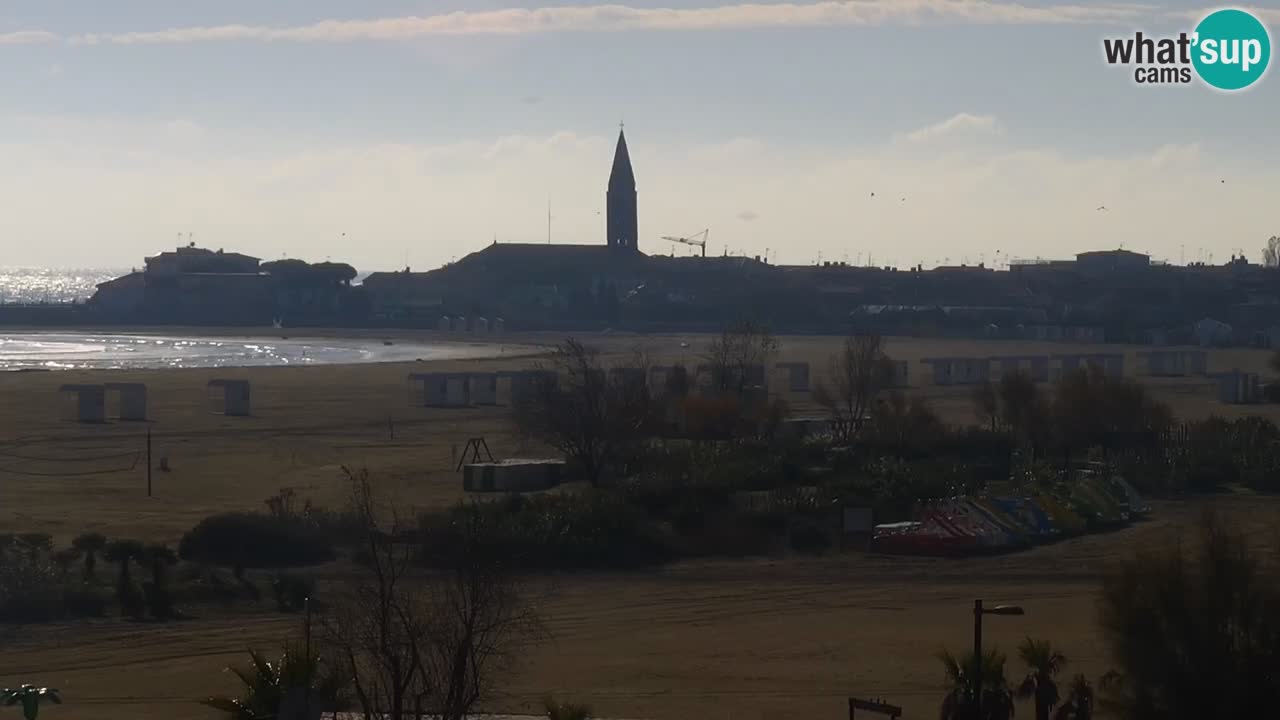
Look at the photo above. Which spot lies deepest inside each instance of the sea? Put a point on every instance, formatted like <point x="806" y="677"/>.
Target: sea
<point x="45" y="285"/>
<point x="63" y="350"/>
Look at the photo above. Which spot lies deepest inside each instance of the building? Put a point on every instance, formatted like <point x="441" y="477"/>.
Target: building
<point x="1107" y="261"/>
<point x="191" y="259"/>
<point x="623" y="227"/>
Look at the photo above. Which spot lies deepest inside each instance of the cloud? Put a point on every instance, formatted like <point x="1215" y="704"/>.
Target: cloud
<point x="615" y="18"/>
<point x="960" y="123"/>
<point x="135" y="184"/>
<point x="1269" y="16"/>
<point x="27" y="37"/>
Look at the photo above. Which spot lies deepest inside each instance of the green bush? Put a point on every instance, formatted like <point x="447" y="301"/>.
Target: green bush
<point x="252" y="540"/>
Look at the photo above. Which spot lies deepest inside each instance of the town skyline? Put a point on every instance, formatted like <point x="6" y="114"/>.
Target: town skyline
<point x="416" y="132"/>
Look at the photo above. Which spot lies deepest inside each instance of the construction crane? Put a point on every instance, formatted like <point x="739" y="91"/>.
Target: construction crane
<point x="692" y="240"/>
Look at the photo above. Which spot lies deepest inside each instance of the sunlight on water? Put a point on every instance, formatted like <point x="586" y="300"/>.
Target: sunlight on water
<point x="58" y="351"/>
<point x="42" y="285"/>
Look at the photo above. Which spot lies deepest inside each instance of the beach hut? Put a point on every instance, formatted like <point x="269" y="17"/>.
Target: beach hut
<point x="443" y="389"/>
<point x="131" y="400"/>
<point x="90" y="404"/>
<point x="229" y="397"/>
<point x="484" y="388"/>
<point x="797" y="375"/>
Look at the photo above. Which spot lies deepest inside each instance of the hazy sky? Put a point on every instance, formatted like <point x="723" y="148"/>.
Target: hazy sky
<point x="424" y="129"/>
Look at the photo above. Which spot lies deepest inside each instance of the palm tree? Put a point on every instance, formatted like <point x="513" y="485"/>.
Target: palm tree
<point x="1079" y="702"/>
<point x="64" y="559"/>
<point x="35" y="543"/>
<point x="1043" y="665"/>
<point x="157" y="594"/>
<point x="122" y="552"/>
<point x="997" y="697"/>
<point x="566" y="711"/>
<point x="159" y="556"/>
<point x="267" y="684"/>
<point x="90" y="544"/>
<point x="29" y="697"/>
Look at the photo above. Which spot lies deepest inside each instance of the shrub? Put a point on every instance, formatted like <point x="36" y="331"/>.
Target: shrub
<point x="1193" y="628"/>
<point x="158" y="601"/>
<point x="342" y="527"/>
<point x="133" y="603"/>
<point x="29" y="587"/>
<point x="1271" y="392"/>
<point x="808" y="536"/>
<point x="688" y="514"/>
<point x="245" y="540"/>
<point x="730" y="534"/>
<point x="201" y="586"/>
<point x="595" y="529"/>
<point x="291" y="592"/>
<point x="85" y="600"/>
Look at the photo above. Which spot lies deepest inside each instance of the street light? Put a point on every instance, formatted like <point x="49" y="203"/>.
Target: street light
<point x="978" y="612"/>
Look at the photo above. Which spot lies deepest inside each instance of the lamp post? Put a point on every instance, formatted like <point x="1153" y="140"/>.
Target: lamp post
<point x="978" y="612"/>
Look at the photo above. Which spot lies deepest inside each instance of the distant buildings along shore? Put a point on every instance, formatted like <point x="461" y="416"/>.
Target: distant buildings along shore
<point x="1110" y="295"/>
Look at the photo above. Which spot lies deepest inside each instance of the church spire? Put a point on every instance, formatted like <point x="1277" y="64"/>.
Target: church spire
<point x="622" y="174"/>
<point x="620" y="200"/>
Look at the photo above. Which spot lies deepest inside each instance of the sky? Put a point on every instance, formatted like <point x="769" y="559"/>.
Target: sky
<point x="394" y="133"/>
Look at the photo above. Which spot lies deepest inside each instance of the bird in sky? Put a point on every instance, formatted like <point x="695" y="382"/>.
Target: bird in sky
<point x="1102" y="207"/>
<point x="873" y="194"/>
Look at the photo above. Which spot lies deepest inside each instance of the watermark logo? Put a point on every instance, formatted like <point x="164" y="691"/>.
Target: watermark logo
<point x="1229" y="50"/>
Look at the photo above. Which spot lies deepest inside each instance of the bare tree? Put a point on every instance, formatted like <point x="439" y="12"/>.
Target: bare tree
<point x="590" y="414"/>
<point x="480" y="618"/>
<point x="858" y="374"/>
<point x="902" y="423"/>
<point x="1024" y="410"/>
<point x="1271" y="253"/>
<point x="986" y="403"/>
<point x="417" y="645"/>
<point x="742" y="346"/>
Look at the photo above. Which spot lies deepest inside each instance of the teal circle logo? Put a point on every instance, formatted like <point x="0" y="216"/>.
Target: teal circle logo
<point x="1231" y="49"/>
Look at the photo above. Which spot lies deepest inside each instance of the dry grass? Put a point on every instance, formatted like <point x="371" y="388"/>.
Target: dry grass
<point x="750" y="639"/>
